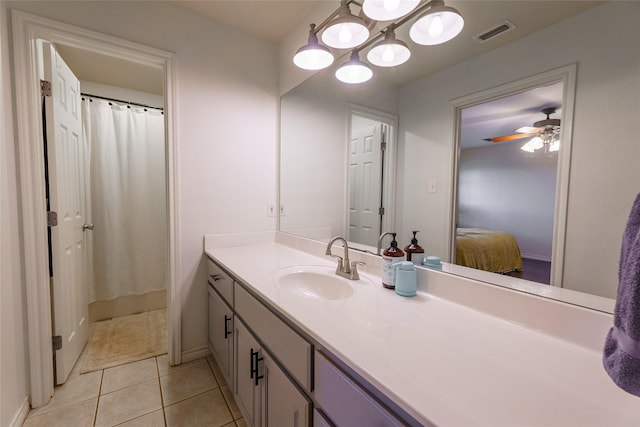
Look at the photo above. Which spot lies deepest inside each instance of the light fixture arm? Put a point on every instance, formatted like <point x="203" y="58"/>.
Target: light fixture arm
<point x="380" y="34"/>
<point x="395" y="25"/>
<point x="334" y="14"/>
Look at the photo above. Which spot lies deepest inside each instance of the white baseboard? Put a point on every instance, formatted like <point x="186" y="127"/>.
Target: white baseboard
<point x="196" y="353"/>
<point x="21" y="415"/>
<point x="536" y="257"/>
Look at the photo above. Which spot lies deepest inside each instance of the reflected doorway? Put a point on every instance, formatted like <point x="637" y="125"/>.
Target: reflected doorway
<point x="506" y="191"/>
<point x="370" y="152"/>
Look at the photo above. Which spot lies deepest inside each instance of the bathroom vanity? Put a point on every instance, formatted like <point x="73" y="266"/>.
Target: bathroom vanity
<point x="301" y="346"/>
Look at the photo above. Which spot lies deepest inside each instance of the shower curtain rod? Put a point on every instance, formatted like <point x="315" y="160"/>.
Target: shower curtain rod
<point x="120" y="100"/>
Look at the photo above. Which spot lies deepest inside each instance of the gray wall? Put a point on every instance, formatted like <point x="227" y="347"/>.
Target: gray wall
<point x="503" y="188"/>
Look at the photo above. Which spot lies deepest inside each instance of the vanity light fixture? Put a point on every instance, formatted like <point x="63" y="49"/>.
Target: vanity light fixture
<point x="346" y="31"/>
<point x="313" y="56"/>
<point x="388" y="10"/>
<point x="389" y="52"/>
<point x="437" y="25"/>
<point x="354" y="71"/>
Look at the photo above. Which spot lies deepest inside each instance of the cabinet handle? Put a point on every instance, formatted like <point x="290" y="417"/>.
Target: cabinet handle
<point x="215" y="277"/>
<point x="253" y="354"/>
<point x="255" y="366"/>
<point x="227" y="332"/>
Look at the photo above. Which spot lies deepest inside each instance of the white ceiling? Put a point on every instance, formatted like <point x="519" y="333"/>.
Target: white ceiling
<point x="272" y="20"/>
<point x="503" y="116"/>
<point x="267" y="19"/>
<point x="108" y="70"/>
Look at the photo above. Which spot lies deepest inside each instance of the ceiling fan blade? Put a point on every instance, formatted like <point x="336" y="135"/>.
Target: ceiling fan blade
<point x="528" y="129"/>
<point x="509" y="137"/>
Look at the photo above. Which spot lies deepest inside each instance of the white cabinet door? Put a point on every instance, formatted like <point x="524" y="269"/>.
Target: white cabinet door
<point x="283" y="405"/>
<point x="247" y="378"/>
<point x="221" y="332"/>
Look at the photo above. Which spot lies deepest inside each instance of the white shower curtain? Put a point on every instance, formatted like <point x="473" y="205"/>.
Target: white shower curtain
<point x="128" y="199"/>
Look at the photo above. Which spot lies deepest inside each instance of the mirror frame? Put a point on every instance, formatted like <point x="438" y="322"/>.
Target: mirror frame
<point x="567" y="75"/>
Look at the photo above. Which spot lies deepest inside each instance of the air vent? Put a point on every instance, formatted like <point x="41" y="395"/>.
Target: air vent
<point x="503" y="28"/>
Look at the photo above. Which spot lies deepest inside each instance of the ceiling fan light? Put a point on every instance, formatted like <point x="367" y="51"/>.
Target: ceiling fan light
<point x="355" y="71"/>
<point x="313" y="56"/>
<point x="528" y="148"/>
<point x="554" y="146"/>
<point x="388" y="10"/>
<point x="537" y="142"/>
<point x="346" y="31"/>
<point x="389" y="52"/>
<point x="437" y="25"/>
<point x="533" y="144"/>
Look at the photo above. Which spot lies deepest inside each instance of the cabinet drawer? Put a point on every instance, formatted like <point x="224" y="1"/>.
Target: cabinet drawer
<point x="284" y="343"/>
<point x="345" y="402"/>
<point x="221" y="281"/>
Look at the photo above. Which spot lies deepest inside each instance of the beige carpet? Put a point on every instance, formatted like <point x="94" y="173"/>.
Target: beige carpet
<point x="126" y="339"/>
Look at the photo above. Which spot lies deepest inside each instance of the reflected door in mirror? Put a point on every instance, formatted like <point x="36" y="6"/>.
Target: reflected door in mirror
<point x="365" y="181"/>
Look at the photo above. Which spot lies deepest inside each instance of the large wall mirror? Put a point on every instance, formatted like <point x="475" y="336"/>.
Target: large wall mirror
<point x="596" y="168"/>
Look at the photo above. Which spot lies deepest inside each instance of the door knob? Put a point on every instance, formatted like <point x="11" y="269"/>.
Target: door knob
<point x="86" y="227"/>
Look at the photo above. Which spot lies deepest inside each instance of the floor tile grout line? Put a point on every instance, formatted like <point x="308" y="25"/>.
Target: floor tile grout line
<point x="67" y="406"/>
<point x="164" y="415"/>
<point x="95" y="412"/>
<point x="220" y="387"/>
<point x="195" y="395"/>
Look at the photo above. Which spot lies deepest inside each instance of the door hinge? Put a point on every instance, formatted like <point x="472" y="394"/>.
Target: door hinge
<point x="52" y="219"/>
<point x="57" y="342"/>
<point x="381" y="210"/>
<point x="383" y="146"/>
<point x="45" y="88"/>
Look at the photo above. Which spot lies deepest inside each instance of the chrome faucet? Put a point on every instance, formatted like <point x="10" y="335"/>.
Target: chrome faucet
<point x="380" y="240"/>
<point x="345" y="268"/>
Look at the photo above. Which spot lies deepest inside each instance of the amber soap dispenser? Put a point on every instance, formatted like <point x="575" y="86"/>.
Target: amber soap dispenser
<point x="390" y="256"/>
<point x="414" y="251"/>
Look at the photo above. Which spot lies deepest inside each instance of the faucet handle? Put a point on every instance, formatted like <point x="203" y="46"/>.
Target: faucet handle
<point x="336" y="256"/>
<point x="354" y="269"/>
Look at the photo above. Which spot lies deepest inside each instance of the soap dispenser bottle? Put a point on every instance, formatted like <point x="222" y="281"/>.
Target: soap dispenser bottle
<point x="414" y="251"/>
<point x="390" y="256"/>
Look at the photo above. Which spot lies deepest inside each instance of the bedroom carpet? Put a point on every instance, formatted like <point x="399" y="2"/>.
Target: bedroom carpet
<point x="126" y="339"/>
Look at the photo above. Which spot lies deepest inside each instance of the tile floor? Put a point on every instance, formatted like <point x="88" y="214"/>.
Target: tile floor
<point x="147" y="393"/>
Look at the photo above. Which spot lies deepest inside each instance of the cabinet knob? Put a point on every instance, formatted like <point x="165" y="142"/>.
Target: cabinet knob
<point x="215" y="277"/>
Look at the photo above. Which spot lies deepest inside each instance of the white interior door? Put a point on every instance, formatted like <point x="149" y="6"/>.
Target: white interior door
<point x="66" y="167"/>
<point x="365" y="163"/>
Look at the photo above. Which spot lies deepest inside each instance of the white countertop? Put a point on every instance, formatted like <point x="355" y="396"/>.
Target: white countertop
<point x="442" y="362"/>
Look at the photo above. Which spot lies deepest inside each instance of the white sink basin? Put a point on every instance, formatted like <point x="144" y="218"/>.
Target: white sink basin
<point x="315" y="282"/>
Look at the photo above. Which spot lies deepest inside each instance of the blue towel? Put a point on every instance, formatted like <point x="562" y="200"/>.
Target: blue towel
<point x="621" y="357"/>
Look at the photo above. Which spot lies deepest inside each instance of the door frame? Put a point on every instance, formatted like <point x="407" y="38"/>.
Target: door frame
<point x="27" y="29"/>
<point x="567" y="75"/>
